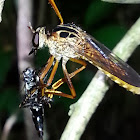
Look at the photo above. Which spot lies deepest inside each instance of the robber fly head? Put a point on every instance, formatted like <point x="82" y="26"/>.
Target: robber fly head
<point x="39" y="38"/>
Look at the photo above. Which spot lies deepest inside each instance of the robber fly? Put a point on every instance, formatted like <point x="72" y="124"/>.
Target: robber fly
<point x="70" y="42"/>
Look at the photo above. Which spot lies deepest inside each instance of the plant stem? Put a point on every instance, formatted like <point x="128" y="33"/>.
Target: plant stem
<point x="123" y="1"/>
<point x="1" y="8"/>
<point x="84" y="108"/>
<point x="24" y="61"/>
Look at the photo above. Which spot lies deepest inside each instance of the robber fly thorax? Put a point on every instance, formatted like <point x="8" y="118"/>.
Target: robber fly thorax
<point x="63" y="42"/>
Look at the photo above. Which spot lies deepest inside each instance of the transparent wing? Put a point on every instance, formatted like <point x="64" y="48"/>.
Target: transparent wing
<point x="100" y="56"/>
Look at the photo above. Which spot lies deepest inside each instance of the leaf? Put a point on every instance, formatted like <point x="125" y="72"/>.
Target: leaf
<point x="9" y="100"/>
<point x="96" y="11"/>
<point x="42" y="57"/>
<point x="110" y="35"/>
<point x="5" y="63"/>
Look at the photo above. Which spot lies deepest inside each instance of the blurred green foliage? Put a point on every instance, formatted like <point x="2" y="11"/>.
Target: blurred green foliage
<point x="9" y="100"/>
<point x="6" y="64"/>
<point x="109" y="38"/>
<point x="117" y="116"/>
<point x="97" y="11"/>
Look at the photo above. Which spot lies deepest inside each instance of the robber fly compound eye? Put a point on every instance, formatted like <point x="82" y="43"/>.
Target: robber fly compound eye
<point x="35" y="42"/>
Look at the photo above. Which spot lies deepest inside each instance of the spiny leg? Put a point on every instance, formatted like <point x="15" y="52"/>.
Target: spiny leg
<point x="56" y="10"/>
<point x="46" y="69"/>
<point x="67" y="77"/>
<point x="52" y="73"/>
<point x="55" y="92"/>
<point x="50" y="92"/>
<point x="61" y="81"/>
<point x="68" y="80"/>
<point x="71" y="75"/>
<point x="79" y="62"/>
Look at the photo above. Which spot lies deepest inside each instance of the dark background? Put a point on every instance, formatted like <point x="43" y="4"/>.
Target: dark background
<point x="118" y="115"/>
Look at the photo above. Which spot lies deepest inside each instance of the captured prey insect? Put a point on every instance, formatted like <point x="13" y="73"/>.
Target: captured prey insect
<point x="36" y="96"/>
<point x="70" y="42"/>
<point x="34" y="99"/>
